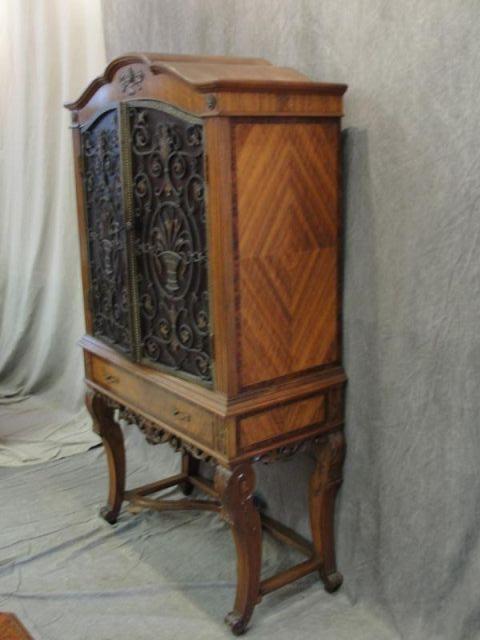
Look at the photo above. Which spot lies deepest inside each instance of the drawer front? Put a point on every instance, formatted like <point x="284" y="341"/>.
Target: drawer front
<point x="156" y="402"/>
<point x="281" y="421"/>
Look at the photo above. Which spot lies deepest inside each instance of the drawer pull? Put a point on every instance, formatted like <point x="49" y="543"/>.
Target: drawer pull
<point x="112" y="379"/>
<point x="181" y="415"/>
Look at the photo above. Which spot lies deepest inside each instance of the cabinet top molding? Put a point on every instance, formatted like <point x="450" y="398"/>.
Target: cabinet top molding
<point x="212" y="85"/>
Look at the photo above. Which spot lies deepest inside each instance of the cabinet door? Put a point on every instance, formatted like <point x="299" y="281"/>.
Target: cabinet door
<point x="166" y="149"/>
<point x="107" y="237"/>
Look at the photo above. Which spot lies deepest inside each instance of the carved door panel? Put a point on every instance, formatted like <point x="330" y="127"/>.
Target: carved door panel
<point x="167" y="193"/>
<point x="107" y="237"/>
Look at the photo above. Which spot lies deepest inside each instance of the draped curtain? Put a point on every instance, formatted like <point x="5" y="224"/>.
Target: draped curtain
<point x="49" y="50"/>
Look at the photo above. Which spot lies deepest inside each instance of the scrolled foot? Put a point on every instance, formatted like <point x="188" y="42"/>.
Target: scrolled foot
<point x="237" y="624"/>
<point x="109" y="515"/>
<point x="332" y="582"/>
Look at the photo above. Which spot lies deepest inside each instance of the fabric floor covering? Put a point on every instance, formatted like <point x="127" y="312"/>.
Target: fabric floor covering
<point x="68" y="575"/>
<point x="33" y="430"/>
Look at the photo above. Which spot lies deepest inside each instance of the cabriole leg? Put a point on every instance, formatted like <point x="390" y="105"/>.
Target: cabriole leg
<point x="324" y="484"/>
<point x="235" y="488"/>
<point x="112" y="438"/>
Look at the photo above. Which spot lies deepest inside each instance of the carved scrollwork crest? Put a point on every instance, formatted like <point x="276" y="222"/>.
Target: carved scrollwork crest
<point x="131" y="81"/>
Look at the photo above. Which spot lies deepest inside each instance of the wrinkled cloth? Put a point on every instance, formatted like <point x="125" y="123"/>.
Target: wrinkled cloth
<point x="49" y="51"/>
<point x="33" y="430"/>
<point x="66" y="573"/>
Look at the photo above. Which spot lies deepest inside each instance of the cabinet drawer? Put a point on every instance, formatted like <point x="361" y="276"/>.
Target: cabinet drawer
<point x="280" y="421"/>
<point x="147" y="397"/>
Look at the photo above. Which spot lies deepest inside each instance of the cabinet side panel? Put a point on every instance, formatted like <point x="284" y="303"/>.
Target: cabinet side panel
<point x="287" y="226"/>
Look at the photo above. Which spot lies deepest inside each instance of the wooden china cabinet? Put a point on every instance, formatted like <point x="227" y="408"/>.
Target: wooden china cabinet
<point x="208" y="193"/>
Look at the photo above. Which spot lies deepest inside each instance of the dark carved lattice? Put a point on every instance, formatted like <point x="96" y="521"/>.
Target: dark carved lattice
<point x="170" y="239"/>
<point x="106" y="232"/>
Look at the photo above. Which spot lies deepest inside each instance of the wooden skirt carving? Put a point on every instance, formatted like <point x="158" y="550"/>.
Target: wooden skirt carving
<point x="231" y="494"/>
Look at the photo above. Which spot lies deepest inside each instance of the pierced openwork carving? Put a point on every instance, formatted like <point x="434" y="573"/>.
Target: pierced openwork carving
<point x="106" y="232"/>
<point x="156" y="435"/>
<point x="170" y="238"/>
<point x="283" y="453"/>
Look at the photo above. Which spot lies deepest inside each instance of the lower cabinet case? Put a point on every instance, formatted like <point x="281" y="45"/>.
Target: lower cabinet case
<point x="208" y="194"/>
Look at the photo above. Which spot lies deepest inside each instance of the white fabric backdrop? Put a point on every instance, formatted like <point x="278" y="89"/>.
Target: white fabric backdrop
<point x="49" y="50"/>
